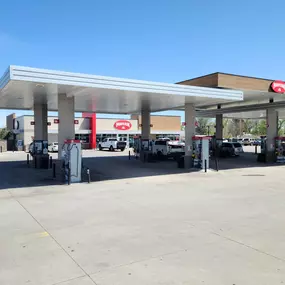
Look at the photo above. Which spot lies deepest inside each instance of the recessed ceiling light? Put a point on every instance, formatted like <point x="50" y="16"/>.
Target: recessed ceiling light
<point x="40" y="85"/>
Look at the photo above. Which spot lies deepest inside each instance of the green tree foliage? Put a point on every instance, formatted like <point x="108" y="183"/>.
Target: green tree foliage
<point x="3" y="133"/>
<point x="204" y="127"/>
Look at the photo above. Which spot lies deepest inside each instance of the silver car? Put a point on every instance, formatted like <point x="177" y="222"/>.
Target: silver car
<point x="237" y="148"/>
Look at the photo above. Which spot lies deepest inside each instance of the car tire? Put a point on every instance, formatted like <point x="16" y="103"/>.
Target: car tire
<point x="100" y="147"/>
<point x="159" y="155"/>
<point x="122" y="149"/>
<point x="111" y="148"/>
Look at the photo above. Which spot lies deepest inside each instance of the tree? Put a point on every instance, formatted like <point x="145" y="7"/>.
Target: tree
<point x="281" y="125"/>
<point x="234" y="127"/>
<point x="3" y="133"/>
<point x="247" y="126"/>
<point x="204" y="125"/>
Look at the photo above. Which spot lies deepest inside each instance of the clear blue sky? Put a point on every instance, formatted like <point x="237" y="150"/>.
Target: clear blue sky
<point x="159" y="40"/>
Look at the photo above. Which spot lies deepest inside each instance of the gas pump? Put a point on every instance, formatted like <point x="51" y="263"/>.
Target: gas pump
<point x="280" y="149"/>
<point x="263" y="144"/>
<point x="71" y="156"/>
<point x="200" y="152"/>
<point x="40" y="154"/>
<point x="145" y="150"/>
<point x="261" y="157"/>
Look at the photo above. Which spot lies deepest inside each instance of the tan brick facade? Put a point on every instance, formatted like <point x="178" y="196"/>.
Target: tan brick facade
<point x="161" y="123"/>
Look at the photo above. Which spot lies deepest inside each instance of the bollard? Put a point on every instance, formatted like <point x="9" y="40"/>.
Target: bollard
<point x="28" y="159"/>
<point x="129" y="155"/>
<point x="35" y="160"/>
<point x="69" y="175"/>
<point x="205" y="165"/>
<point x="216" y="162"/>
<point x="50" y="162"/>
<point x="88" y="175"/>
<point x="256" y="149"/>
<point x="53" y="170"/>
<point x="1" y="150"/>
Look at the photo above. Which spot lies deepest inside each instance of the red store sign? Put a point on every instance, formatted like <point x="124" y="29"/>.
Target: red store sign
<point x="278" y="86"/>
<point x="122" y="125"/>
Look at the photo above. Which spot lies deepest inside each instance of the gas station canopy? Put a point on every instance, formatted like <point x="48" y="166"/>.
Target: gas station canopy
<point x="259" y="95"/>
<point x="21" y="87"/>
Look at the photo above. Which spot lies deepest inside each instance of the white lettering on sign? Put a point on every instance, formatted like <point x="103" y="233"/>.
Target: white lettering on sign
<point x="122" y="125"/>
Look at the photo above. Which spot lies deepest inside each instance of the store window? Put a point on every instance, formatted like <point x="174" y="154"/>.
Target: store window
<point x="84" y="138"/>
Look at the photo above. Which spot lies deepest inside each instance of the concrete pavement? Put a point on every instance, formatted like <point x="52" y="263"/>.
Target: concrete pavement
<point x="190" y="228"/>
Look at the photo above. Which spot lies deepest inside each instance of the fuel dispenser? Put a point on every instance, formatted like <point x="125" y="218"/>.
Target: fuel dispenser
<point x="71" y="156"/>
<point x="40" y="154"/>
<point x="263" y="147"/>
<point x="280" y="149"/>
<point x="261" y="157"/>
<point x="201" y="152"/>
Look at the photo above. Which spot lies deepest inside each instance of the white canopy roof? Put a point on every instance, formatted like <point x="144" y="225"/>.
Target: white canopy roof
<point x="21" y="86"/>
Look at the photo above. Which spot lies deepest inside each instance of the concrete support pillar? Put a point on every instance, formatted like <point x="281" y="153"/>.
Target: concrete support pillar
<point x="189" y="133"/>
<point x="66" y="128"/>
<point x="40" y="117"/>
<point x="145" y="124"/>
<point x="219" y="126"/>
<point x="272" y="132"/>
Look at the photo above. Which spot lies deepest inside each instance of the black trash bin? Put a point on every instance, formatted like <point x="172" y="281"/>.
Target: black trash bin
<point x="180" y="162"/>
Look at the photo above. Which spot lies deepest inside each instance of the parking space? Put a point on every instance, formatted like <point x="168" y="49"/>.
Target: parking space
<point x="199" y="228"/>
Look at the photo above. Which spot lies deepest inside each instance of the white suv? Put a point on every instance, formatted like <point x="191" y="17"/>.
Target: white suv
<point x="53" y="147"/>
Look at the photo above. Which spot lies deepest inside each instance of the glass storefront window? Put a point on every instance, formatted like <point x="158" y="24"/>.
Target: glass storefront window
<point x="84" y="138"/>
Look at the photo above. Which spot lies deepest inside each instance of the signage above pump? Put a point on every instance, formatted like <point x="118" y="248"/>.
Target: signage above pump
<point x="122" y="125"/>
<point x="278" y="86"/>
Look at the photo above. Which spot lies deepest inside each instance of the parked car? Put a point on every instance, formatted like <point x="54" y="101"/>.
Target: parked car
<point x="247" y="141"/>
<point x="164" y="148"/>
<point x="53" y="147"/>
<point x="237" y="148"/>
<point x="112" y="144"/>
<point x="256" y="142"/>
<point x="227" y="149"/>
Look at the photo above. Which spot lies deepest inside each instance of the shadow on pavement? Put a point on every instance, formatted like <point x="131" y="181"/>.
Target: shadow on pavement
<point x="245" y="160"/>
<point x="17" y="174"/>
<point x="120" y="167"/>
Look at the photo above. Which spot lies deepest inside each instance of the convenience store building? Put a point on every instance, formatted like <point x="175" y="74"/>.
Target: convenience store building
<point x="90" y="129"/>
